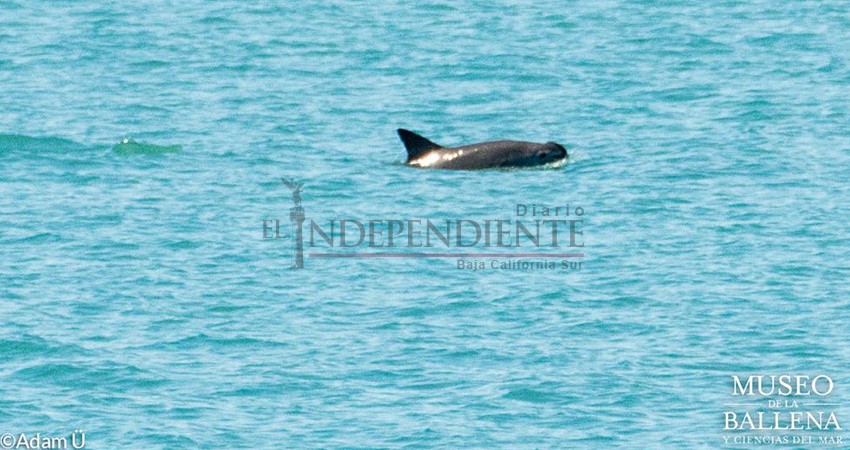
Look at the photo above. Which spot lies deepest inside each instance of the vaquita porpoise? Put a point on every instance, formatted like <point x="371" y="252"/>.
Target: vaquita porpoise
<point x="486" y="155"/>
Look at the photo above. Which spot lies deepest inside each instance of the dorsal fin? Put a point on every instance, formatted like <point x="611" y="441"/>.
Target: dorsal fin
<point x="415" y="144"/>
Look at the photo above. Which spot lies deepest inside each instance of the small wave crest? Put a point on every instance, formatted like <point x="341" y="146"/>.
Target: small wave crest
<point x="21" y="143"/>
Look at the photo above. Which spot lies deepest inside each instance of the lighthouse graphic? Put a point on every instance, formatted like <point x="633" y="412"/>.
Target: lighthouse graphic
<point x="296" y="216"/>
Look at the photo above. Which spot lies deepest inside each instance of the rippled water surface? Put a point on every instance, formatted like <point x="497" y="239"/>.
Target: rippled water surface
<point x="709" y="146"/>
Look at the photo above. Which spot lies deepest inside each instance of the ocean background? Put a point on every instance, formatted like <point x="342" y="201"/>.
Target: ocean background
<point x="709" y="147"/>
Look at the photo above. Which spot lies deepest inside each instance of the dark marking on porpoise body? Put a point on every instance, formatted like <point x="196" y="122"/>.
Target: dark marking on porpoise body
<point x="486" y="155"/>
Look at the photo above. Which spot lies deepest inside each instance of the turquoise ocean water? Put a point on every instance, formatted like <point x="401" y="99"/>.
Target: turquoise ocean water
<point x="709" y="146"/>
